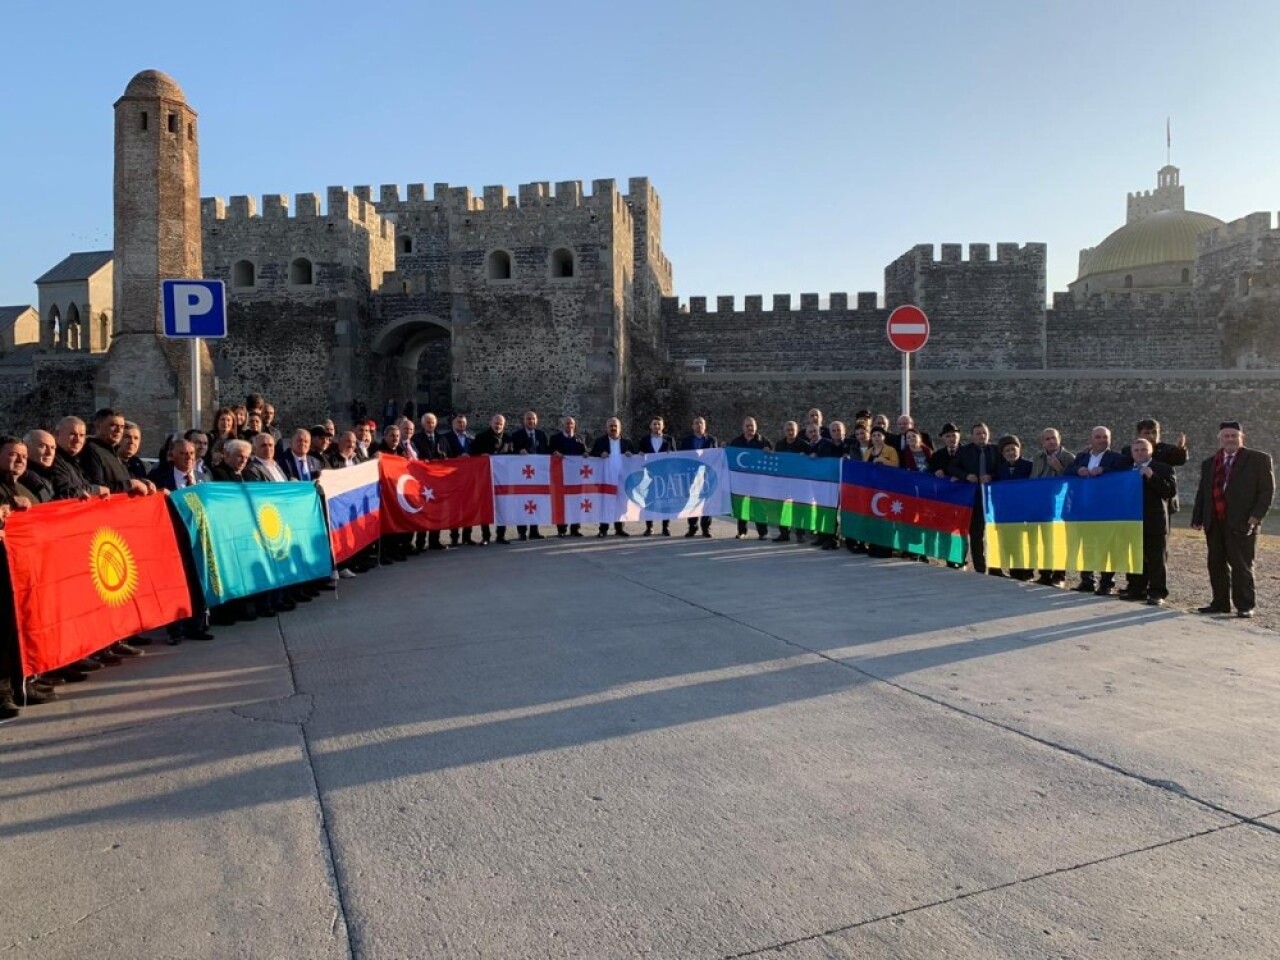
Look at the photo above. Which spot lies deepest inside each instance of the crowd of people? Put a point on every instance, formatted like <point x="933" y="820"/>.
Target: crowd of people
<point x="95" y="460"/>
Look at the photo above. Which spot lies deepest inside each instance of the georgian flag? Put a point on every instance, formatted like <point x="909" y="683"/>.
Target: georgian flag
<point x="561" y="490"/>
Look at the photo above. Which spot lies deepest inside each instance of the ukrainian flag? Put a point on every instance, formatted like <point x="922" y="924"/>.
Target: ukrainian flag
<point x="1066" y="523"/>
<point x="250" y="537"/>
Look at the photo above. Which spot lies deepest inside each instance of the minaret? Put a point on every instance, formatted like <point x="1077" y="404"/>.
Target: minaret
<point x="157" y="237"/>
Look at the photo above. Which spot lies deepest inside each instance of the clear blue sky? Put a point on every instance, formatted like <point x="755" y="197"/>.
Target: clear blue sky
<point x="797" y="147"/>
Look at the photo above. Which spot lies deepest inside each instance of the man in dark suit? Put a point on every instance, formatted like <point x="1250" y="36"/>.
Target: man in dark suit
<point x="612" y="444"/>
<point x="656" y="442"/>
<point x="750" y="439"/>
<point x="699" y="439"/>
<point x="426" y="442"/>
<point x="792" y="442"/>
<point x="457" y="443"/>
<point x="1159" y="486"/>
<point x="567" y="443"/>
<point x="494" y="442"/>
<point x="975" y="463"/>
<point x="831" y="447"/>
<point x="529" y="441"/>
<point x="1093" y="461"/>
<point x="263" y="465"/>
<point x="297" y="461"/>
<point x="1012" y="466"/>
<point x="1236" y="488"/>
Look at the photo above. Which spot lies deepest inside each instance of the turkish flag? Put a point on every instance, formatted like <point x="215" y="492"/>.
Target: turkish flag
<point x="434" y="494"/>
<point x="88" y="573"/>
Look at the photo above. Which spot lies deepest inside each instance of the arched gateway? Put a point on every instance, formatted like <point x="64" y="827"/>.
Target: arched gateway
<point x="413" y="357"/>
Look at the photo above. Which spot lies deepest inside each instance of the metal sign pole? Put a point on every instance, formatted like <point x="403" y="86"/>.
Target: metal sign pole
<point x="195" y="383"/>
<point x="906" y="384"/>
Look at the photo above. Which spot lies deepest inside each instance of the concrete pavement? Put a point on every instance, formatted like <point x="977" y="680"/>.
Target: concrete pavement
<point x="664" y="748"/>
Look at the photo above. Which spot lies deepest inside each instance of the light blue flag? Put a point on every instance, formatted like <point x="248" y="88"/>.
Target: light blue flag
<point x="251" y="537"/>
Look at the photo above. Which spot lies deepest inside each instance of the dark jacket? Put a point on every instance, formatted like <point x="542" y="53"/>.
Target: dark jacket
<point x="10" y="490"/>
<point x="137" y="469"/>
<point x="289" y="464"/>
<point x="826" y="447"/>
<point x="601" y="447"/>
<point x="798" y="445"/>
<point x="1249" y="493"/>
<point x="1111" y="462"/>
<point x="521" y="442"/>
<point x="100" y="464"/>
<point x="967" y="460"/>
<point x="907" y="459"/>
<point x="755" y="443"/>
<point x="691" y="442"/>
<point x="68" y="480"/>
<point x="226" y="474"/>
<point x="645" y="444"/>
<point x="38" y="484"/>
<point x="489" y="443"/>
<point x="567" y="446"/>
<point x="1020" y="469"/>
<point x="941" y="460"/>
<point x="453" y="447"/>
<point x="427" y="445"/>
<point x="162" y="477"/>
<point x="1157" y="490"/>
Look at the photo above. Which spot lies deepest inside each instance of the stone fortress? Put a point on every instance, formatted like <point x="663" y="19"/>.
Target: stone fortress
<point x="562" y="300"/>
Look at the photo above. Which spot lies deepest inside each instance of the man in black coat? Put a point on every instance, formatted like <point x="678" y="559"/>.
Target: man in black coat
<point x="99" y="461"/>
<point x="793" y="442"/>
<point x="567" y="443"/>
<point x="426" y="442"/>
<point x="494" y="442"/>
<point x="613" y="444"/>
<point x="975" y="463"/>
<point x="1093" y="461"/>
<point x="699" y="439"/>
<point x="751" y="440"/>
<point x="1237" y="486"/>
<point x="1159" y="486"/>
<point x="656" y="442"/>
<point x="454" y="444"/>
<point x="529" y="441"/>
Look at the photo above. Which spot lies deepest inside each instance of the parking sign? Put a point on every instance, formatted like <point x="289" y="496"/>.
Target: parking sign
<point x="194" y="309"/>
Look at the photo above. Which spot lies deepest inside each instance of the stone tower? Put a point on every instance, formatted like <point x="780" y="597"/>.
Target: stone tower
<point x="157" y="237"/>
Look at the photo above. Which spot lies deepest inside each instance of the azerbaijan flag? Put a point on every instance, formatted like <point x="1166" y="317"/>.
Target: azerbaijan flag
<point x="905" y="510"/>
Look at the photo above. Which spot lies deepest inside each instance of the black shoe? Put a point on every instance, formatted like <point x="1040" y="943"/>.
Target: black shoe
<point x="107" y="658"/>
<point x="287" y="605"/>
<point x="328" y="584"/>
<point x="621" y="533"/>
<point x="71" y="675"/>
<point x="1245" y="614"/>
<point x="437" y="546"/>
<point x="561" y="536"/>
<point x="198" y="635"/>
<point x="603" y="533"/>
<point x="762" y="536"/>
<point x="575" y="533"/>
<point x="503" y="541"/>
<point x="536" y="536"/>
<point x="1086" y="586"/>
<point x="172" y="640"/>
<point x="8" y="709"/>
<point x="1131" y="596"/>
<point x="994" y="572"/>
<point x="39" y="695"/>
<point x="87" y="665"/>
<point x="122" y="649"/>
<point x="782" y="538"/>
<point x="799" y="538"/>
<point x="522" y="537"/>
<point x="666" y="532"/>
<point x="140" y="641"/>
<point x="1105" y="591"/>
<point x="1154" y="602"/>
<point x="706" y="533"/>
<point x="1043" y="582"/>
<point x="1211" y="608"/>
<point x="691" y="533"/>
<point x="647" y="533"/>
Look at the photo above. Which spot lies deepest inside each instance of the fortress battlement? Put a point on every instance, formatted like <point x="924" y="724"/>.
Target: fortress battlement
<point x="867" y="304"/>
<point x="340" y="205"/>
<point x="539" y="194"/>
<point x="1006" y="253"/>
<point x="1248" y="227"/>
<point x="1126" y="300"/>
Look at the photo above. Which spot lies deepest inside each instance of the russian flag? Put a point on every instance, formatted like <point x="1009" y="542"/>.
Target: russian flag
<point x="354" y="503"/>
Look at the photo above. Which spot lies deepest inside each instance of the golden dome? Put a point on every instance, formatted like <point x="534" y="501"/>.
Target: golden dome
<point x="152" y="84"/>
<point x="1165" y="237"/>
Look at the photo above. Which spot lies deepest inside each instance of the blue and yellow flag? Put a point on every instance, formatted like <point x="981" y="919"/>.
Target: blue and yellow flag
<point x="251" y="537"/>
<point x="1066" y="523"/>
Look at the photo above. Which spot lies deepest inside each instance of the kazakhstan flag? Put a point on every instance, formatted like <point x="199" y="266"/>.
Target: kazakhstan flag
<point x="251" y="537"/>
<point x="1066" y="523"/>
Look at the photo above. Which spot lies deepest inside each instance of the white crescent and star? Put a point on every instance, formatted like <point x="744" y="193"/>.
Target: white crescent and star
<point x="876" y="499"/>
<point x="738" y="459"/>
<point x="400" y="497"/>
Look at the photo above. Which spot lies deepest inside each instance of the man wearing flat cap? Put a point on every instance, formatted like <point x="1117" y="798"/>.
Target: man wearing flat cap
<point x="1236" y="488"/>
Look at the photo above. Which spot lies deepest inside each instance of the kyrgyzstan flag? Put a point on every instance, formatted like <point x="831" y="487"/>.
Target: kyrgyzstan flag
<point x="560" y="490"/>
<point x="88" y="573"/>
<point x="434" y="494"/>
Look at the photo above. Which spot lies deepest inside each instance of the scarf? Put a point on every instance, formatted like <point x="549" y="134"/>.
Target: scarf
<point x="1220" y="485"/>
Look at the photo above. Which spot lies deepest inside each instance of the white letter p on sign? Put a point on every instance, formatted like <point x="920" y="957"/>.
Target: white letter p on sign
<point x="190" y="301"/>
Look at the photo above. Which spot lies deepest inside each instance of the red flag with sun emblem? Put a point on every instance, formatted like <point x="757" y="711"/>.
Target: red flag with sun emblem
<point x="88" y="573"/>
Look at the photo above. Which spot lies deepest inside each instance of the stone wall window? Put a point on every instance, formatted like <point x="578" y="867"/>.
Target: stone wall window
<point x="173" y="123"/>
<point x="1128" y="281"/>
<point x="243" y="274"/>
<point x="562" y="262"/>
<point x="300" y="274"/>
<point x="144" y="119"/>
<point x="499" y="265"/>
<point x="55" y="324"/>
<point x="104" y="331"/>
<point x="406" y="244"/>
<point x="71" y="337"/>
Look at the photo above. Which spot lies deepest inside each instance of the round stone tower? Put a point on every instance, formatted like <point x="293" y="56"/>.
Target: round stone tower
<point x="157" y="237"/>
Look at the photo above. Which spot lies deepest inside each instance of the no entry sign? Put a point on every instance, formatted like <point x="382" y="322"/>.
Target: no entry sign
<point x="908" y="329"/>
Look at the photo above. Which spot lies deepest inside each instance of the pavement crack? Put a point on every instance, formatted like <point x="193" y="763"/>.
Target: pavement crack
<point x="1165" y="786"/>
<point x="970" y="894"/>
<point x="341" y="914"/>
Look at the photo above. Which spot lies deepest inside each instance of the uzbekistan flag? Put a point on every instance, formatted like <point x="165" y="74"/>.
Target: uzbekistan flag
<point x="86" y="574"/>
<point x="1066" y="523"/>
<point x="353" y="502"/>
<point x="250" y="537"/>
<point x="905" y="510"/>
<point x="561" y="490"/>
<point x="784" y="489"/>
